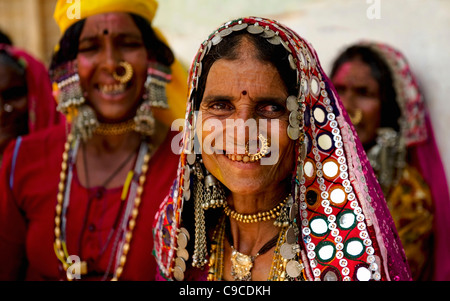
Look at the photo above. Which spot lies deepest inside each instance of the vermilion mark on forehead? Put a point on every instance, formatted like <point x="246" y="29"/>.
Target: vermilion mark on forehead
<point x="244" y="92"/>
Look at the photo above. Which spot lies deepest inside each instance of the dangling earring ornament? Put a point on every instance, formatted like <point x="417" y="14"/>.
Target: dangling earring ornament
<point x="295" y="118"/>
<point x="67" y="89"/>
<point x="125" y="72"/>
<point x="200" y="248"/>
<point x="214" y="194"/>
<point x="145" y="122"/>
<point x="158" y="76"/>
<point x="85" y="123"/>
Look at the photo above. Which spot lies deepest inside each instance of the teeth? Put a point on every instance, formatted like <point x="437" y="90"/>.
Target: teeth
<point x="244" y="158"/>
<point x="112" y="89"/>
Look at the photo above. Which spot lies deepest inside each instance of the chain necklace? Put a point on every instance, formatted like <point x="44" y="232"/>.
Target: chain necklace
<point x="132" y="188"/>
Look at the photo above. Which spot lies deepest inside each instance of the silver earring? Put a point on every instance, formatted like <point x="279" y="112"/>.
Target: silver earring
<point x="85" y="123"/>
<point x="144" y="119"/>
<point x="295" y="118"/>
<point x="158" y="76"/>
<point x="69" y="93"/>
<point x="200" y="247"/>
<point x="214" y="194"/>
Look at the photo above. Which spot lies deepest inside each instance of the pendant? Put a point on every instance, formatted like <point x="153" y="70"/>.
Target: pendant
<point x="241" y="266"/>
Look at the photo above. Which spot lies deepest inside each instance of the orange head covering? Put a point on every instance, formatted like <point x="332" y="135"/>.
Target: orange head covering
<point x="67" y="13"/>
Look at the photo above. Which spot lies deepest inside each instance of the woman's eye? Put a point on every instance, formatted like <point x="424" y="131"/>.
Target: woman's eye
<point x="220" y="106"/>
<point x="87" y="47"/>
<point x="271" y="110"/>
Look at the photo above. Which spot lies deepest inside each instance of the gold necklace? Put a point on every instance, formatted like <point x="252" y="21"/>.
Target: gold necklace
<point x="242" y="269"/>
<point x="115" y="129"/>
<point x="63" y="198"/>
<point x="257" y="217"/>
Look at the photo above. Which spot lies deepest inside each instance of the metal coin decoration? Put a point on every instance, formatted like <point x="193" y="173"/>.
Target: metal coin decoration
<point x="239" y="27"/>
<point x="178" y="273"/>
<point x="268" y="33"/>
<point x="294" y="119"/>
<point x="291" y="237"/>
<point x="287" y="251"/>
<point x="186" y="232"/>
<point x="293" y="132"/>
<point x="182" y="253"/>
<point x="294" y="268"/>
<point x="255" y="29"/>
<point x="275" y="40"/>
<point x="180" y="263"/>
<point x="190" y="158"/>
<point x="182" y="240"/>
<point x="292" y="103"/>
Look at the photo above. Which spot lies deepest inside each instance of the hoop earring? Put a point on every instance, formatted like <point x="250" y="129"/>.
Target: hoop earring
<point x="356" y="118"/>
<point x="127" y="72"/>
<point x="263" y="151"/>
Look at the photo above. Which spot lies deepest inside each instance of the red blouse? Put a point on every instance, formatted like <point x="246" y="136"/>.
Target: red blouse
<point x="27" y="213"/>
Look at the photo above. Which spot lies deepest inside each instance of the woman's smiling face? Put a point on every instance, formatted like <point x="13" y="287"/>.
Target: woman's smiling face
<point x="107" y="40"/>
<point x="245" y="89"/>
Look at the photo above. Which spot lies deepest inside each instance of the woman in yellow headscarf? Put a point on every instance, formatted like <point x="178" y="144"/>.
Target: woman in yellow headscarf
<point x="77" y="201"/>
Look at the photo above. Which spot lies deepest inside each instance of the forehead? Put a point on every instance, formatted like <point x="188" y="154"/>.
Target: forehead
<point x="113" y="23"/>
<point x="246" y="72"/>
<point x="354" y="71"/>
<point x="9" y="76"/>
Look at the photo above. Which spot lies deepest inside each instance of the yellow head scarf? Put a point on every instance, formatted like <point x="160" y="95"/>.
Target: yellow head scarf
<point x="69" y="12"/>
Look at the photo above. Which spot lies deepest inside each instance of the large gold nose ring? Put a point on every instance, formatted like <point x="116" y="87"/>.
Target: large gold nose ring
<point x="263" y="148"/>
<point x="356" y="117"/>
<point x="123" y="73"/>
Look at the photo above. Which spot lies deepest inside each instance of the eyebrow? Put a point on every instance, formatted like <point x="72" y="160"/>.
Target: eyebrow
<point x="211" y="98"/>
<point x="115" y="36"/>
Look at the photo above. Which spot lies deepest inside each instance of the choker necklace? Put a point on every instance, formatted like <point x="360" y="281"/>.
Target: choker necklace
<point x="257" y="217"/>
<point x="115" y="129"/>
<point x="131" y="195"/>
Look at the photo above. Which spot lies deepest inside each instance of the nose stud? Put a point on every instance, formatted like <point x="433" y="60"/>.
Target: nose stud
<point x="123" y="73"/>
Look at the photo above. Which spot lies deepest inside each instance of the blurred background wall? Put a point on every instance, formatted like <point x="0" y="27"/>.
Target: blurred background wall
<point x="418" y="28"/>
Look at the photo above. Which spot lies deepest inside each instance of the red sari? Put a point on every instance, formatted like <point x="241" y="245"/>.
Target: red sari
<point x="27" y="213"/>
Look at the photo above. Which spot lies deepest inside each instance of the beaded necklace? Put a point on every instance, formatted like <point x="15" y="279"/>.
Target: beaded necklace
<point x="257" y="217"/>
<point x="133" y="188"/>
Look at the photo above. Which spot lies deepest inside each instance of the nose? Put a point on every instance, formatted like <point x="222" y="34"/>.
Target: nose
<point x="348" y="100"/>
<point x="110" y="58"/>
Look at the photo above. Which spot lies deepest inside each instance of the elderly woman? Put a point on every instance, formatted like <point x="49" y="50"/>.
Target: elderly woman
<point x="387" y="108"/>
<point x="77" y="201"/>
<point x="287" y="196"/>
<point x="26" y="101"/>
